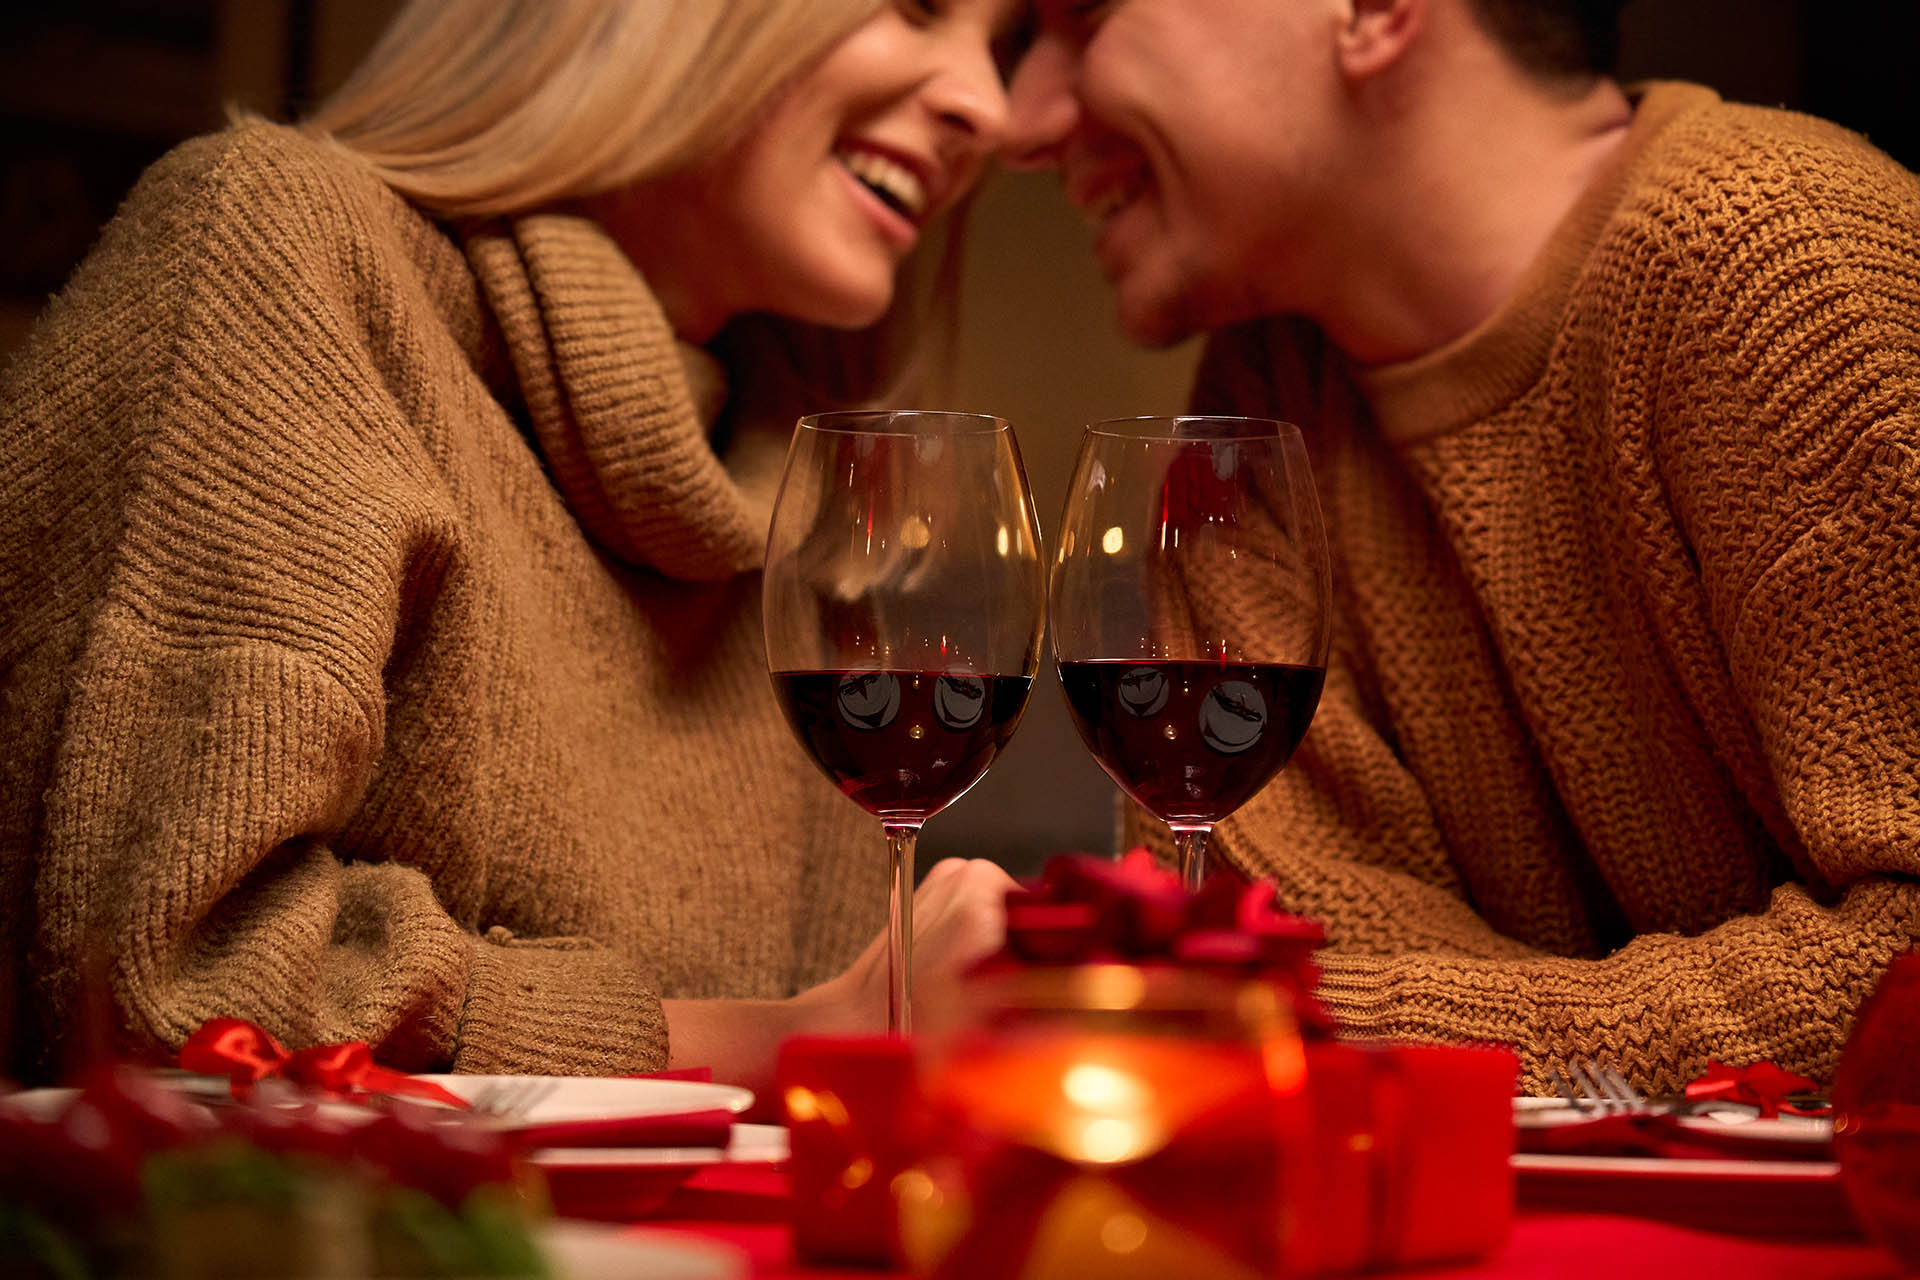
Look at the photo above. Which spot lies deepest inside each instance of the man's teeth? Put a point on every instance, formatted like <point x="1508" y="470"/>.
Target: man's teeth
<point x="893" y="183"/>
<point x="1111" y="200"/>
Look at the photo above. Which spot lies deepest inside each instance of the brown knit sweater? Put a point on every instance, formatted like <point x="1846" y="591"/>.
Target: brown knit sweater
<point x="380" y="652"/>
<point x="1620" y="752"/>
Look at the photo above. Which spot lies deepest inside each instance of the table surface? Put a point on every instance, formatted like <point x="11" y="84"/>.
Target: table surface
<point x="746" y="1207"/>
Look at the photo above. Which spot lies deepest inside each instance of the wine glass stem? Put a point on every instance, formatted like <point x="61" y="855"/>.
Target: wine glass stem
<point x="1190" y="844"/>
<point x="900" y="838"/>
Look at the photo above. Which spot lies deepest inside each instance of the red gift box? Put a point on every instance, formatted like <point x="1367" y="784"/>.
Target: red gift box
<point x="1213" y="1162"/>
<point x="1410" y="1148"/>
<point x="1876" y="1109"/>
<point x="1148" y="1087"/>
<point x="848" y="1103"/>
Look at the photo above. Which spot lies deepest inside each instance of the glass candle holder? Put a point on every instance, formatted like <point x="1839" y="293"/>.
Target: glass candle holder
<point x="1108" y="1120"/>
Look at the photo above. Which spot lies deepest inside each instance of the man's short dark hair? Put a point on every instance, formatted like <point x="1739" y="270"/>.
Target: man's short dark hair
<point x="1556" y="38"/>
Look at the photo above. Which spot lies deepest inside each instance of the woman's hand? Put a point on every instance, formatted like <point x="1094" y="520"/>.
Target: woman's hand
<point x="959" y="917"/>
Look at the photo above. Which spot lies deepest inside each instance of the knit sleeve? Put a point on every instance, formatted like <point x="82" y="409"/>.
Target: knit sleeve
<point x="1788" y="439"/>
<point x="187" y="823"/>
<point x="216" y="515"/>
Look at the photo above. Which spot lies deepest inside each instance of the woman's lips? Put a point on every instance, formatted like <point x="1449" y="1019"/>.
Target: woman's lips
<point x="895" y="185"/>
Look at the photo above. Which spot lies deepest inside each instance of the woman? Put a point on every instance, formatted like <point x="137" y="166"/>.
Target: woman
<point x="377" y="612"/>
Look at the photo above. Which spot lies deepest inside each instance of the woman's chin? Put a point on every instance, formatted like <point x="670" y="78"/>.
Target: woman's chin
<point x="852" y="313"/>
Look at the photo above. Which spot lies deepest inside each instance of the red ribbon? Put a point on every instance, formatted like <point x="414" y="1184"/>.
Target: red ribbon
<point x="1761" y="1085"/>
<point x="1087" y="910"/>
<point x="247" y="1054"/>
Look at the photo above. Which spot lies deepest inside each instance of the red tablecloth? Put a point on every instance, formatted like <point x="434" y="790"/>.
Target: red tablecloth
<point x="746" y="1207"/>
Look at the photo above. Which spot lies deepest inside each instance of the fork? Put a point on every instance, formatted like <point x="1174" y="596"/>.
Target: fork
<point x="511" y="1099"/>
<point x="1597" y="1087"/>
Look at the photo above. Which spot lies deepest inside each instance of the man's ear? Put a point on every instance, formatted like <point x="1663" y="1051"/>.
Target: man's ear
<point x="1376" y="34"/>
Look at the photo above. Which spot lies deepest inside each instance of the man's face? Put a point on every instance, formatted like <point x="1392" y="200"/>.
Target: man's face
<point x="1194" y="137"/>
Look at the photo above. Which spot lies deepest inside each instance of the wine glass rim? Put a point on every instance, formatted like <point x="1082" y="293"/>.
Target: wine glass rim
<point x="875" y="422"/>
<point x="1167" y="426"/>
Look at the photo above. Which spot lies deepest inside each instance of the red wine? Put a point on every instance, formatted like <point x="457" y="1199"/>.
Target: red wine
<point x="1191" y="741"/>
<point x="902" y="744"/>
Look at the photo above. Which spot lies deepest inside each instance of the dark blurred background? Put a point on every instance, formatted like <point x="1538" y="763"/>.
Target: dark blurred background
<point x="91" y="91"/>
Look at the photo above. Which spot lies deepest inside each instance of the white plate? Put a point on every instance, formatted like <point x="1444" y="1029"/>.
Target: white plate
<point x="579" y="1251"/>
<point x="1733" y="1120"/>
<point x="1792" y="1197"/>
<point x="1687" y="1170"/>
<point x="555" y="1099"/>
<point x="562" y="1099"/>
<point x="751" y="1144"/>
<point x="616" y="1183"/>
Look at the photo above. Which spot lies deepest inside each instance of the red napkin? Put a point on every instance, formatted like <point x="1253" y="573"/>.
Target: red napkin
<point x="711" y="1128"/>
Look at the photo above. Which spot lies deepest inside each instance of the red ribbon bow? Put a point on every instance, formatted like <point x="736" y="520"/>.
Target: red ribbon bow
<point x="247" y="1054"/>
<point x="1087" y="910"/>
<point x="1761" y="1085"/>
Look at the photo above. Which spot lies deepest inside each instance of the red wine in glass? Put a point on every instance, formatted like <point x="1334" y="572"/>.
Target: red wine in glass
<point x="1191" y="741"/>
<point x="904" y="600"/>
<point x="1190" y="612"/>
<point x="902" y="744"/>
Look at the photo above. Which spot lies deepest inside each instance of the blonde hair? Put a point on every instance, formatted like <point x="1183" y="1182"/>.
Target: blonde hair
<point x="483" y="107"/>
<point x="499" y="106"/>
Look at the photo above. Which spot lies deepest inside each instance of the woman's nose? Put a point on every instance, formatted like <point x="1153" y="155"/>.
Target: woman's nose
<point x="967" y="94"/>
<point x="1042" y="110"/>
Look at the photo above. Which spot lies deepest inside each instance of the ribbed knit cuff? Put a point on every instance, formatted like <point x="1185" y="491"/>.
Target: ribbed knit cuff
<point x="557" y="1007"/>
<point x="1357" y="990"/>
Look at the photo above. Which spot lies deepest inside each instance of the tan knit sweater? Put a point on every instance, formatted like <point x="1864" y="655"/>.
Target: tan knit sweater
<point x="1620" y="754"/>
<point x="380" y="651"/>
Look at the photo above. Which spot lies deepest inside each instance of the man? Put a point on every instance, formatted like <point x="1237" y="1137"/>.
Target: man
<point x="1614" y="403"/>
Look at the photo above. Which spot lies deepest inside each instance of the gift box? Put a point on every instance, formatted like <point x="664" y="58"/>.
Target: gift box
<point x="1410" y="1147"/>
<point x="1146" y="1085"/>
<point x="1876" y="1110"/>
<point x="850" y="1104"/>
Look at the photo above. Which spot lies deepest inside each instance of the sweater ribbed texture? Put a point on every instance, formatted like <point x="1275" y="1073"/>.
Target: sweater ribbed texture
<point x="1620" y="751"/>
<point x="380" y="653"/>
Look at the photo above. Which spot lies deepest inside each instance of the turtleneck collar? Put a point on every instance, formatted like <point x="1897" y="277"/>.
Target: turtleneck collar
<point x="622" y="411"/>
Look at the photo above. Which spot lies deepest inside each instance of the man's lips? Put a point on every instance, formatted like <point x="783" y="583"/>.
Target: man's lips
<point x="1106" y="193"/>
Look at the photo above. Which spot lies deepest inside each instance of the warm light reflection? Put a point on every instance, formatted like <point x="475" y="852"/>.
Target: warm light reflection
<point x="1096" y="1087"/>
<point x="1002" y="543"/>
<point x="1112" y="1140"/>
<point x="1112" y="540"/>
<point x="1123" y="1233"/>
<point x="805" y="1105"/>
<point x="915" y="533"/>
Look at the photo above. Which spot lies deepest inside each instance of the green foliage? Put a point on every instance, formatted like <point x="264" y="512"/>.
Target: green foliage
<point x="35" y="1249"/>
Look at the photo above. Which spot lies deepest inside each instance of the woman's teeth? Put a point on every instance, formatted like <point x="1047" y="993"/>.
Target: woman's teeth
<point x="896" y="185"/>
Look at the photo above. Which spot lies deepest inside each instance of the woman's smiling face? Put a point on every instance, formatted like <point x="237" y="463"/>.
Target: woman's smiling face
<point x="810" y="213"/>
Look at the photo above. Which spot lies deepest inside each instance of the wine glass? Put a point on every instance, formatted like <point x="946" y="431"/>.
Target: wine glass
<point x="904" y="601"/>
<point x="1189" y="612"/>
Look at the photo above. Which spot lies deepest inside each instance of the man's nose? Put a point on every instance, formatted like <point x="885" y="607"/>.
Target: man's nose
<point x="1042" y="109"/>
